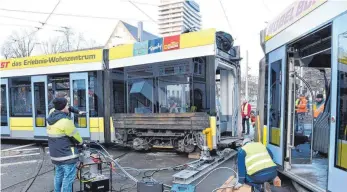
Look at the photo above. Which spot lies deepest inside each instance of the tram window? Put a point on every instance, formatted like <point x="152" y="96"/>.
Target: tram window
<point x="57" y="87"/>
<point x="119" y="97"/>
<point x="275" y="102"/>
<point x="174" y="103"/>
<point x="266" y="93"/>
<point x="93" y="97"/>
<point x="79" y="100"/>
<point x="341" y="118"/>
<point x="4" y="119"/>
<point x="40" y="104"/>
<point x="21" y="103"/>
<point x="140" y="96"/>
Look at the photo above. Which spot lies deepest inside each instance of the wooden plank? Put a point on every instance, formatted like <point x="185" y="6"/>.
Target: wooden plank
<point x="194" y="155"/>
<point x="123" y="115"/>
<point x="230" y="182"/>
<point x="141" y="122"/>
<point x="277" y="182"/>
<point x="125" y="126"/>
<point x="227" y="183"/>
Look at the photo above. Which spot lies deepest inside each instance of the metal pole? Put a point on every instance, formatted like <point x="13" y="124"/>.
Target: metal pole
<point x="139" y="31"/>
<point x="107" y="99"/>
<point x="291" y="113"/>
<point x="246" y="92"/>
<point x="301" y="83"/>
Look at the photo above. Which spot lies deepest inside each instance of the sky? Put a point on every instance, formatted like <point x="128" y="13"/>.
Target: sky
<point x="246" y="19"/>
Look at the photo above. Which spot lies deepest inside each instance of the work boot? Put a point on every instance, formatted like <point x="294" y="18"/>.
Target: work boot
<point x="267" y="187"/>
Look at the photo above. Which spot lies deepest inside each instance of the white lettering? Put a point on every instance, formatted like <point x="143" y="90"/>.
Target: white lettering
<point x="153" y="48"/>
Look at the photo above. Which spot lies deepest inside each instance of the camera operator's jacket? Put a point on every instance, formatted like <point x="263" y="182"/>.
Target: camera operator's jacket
<point x="62" y="138"/>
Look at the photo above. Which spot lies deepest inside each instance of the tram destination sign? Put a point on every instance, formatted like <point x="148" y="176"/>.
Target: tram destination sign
<point x="293" y="13"/>
<point x="52" y="60"/>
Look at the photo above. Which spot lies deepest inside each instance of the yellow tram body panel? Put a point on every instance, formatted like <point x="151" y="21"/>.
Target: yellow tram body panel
<point x="96" y="124"/>
<point x="342" y="154"/>
<point x="275" y="135"/>
<point x="21" y="124"/>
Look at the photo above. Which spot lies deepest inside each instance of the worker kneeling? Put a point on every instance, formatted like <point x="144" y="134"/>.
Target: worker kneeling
<point x="255" y="166"/>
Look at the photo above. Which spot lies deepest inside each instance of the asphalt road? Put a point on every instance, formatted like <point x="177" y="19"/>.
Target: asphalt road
<point x="20" y="162"/>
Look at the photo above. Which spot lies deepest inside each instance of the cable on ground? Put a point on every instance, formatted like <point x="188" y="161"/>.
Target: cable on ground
<point x="30" y="183"/>
<point x="26" y="180"/>
<point x="228" y="187"/>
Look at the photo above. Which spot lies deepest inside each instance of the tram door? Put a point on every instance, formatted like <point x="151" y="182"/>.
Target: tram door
<point x="79" y="99"/>
<point x="276" y="105"/>
<point x="338" y="130"/>
<point x="5" y="123"/>
<point x="39" y="105"/>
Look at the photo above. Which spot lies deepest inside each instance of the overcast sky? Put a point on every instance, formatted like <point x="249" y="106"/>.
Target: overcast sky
<point x="246" y="17"/>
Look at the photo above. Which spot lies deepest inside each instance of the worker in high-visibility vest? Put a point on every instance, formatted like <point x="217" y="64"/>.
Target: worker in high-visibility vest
<point x="301" y="107"/>
<point x="62" y="139"/>
<point x="319" y="106"/>
<point x="246" y="114"/>
<point x="301" y="110"/>
<point x="255" y="166"/>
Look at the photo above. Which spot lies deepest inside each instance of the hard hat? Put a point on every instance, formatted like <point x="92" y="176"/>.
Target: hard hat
<point x="245" y="141"/>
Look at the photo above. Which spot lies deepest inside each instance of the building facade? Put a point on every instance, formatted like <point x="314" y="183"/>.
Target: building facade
<point x="124" y="33"/>
<point x="176" y="16"/>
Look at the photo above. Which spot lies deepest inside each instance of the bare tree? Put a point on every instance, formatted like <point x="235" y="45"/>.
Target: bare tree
<point x="21" y="44"/>
<point x="6" y="50"/>
<point x="54" y="45"/>
<point x="74" y="42"/>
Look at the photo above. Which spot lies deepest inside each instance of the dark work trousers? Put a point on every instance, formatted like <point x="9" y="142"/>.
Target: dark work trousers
<point x="245" y="120"/>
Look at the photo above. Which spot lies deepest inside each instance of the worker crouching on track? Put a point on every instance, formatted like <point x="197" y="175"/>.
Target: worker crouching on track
<point x="62" y="139"/>
<point x="255" y="166"/>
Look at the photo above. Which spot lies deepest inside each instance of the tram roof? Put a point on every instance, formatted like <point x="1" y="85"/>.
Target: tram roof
<point x="188" y="45"/>
<point x="299" y="19"/>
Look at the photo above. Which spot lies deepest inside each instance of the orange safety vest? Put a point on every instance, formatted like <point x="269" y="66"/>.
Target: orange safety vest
<point x="318" y="111"/>
<point x="302" y="106"/>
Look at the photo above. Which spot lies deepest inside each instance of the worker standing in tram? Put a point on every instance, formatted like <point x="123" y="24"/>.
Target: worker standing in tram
<point x="71" y="108"/>
<point x="319" y="108"/>
<point x="255" y="166"/>
<point x="301" y="110"/>
<point x="62" y="139"/>
<point x="246" y="113"/>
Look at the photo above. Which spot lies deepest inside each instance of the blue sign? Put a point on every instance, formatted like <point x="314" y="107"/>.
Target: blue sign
<point x="140" y="48"/>
<point x="155" y="45"/>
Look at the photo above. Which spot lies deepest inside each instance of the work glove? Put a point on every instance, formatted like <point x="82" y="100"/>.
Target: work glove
<point x="238" y="186"/>
<point x="82" y="113"/>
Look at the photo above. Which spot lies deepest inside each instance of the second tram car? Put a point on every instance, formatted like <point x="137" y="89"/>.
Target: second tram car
<point x="305" y="59"/>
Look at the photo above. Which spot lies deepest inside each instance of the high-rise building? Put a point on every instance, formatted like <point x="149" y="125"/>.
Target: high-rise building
<point x="176" y="16"/>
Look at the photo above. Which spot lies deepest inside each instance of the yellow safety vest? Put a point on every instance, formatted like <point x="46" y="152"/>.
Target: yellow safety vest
<point x="297" y="102"/>
<point x="257" y="158"/>
<point x="245" y="109"/>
